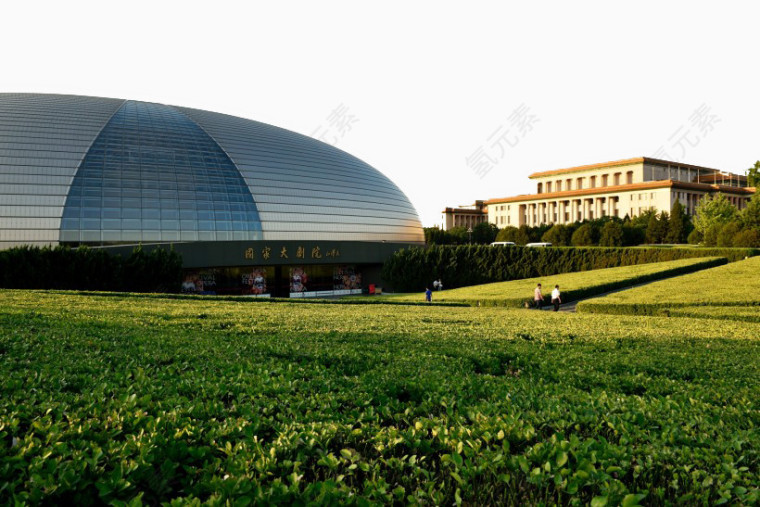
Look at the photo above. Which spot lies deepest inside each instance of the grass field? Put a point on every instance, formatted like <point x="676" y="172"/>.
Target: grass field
<point x="573" y="285"/>
<point x="726" y="292"/>
<point x="120" y="398"/>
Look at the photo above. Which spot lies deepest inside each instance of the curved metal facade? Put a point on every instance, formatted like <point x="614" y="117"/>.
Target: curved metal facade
<point x="106" y="171"/>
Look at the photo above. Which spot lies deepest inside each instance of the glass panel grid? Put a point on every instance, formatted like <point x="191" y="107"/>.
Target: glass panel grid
<point x="149" y="162"/>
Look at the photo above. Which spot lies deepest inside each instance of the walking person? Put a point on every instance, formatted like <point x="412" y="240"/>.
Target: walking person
<point x="538" y="298"/>
<point x="435" y="284"/>
<point x="440" y="284"/>
<point x="556" y="300"/>
<point x="428" y="294"/>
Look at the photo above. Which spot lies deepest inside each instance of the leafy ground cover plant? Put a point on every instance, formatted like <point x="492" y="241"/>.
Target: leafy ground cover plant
<point x="725" y="292"/>
<point x="123" y="399"/>
<point x="573" y="286"/>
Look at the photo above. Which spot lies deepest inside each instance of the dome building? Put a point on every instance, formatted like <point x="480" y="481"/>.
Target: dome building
<point x="252" y="208"/>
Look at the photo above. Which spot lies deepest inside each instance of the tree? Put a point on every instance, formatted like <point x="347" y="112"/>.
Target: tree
<point x="710" y="237"/>
<point x="435" y="236"/>
<point x="716" y="211"/>
<point x="522" y="236"/>
<point x="612" y="234"/>
<point x="484" y="233"/>
<point x="657" y="228"/>
<point x="750" y="216"/>
<point x="753" y="175"/>
<point x="633" y="235"/>
<point x="583" y="236"/>
<point x="643" y="219"/>
<point x="458" y="236"/>
<point x="558" y="235"/>
<point x="509" y="233"/>
<point x="677" y="224"/>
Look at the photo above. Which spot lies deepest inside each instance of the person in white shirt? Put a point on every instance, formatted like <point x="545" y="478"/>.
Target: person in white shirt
<point x="435" y="284"/>
<point x="556" y="300"/>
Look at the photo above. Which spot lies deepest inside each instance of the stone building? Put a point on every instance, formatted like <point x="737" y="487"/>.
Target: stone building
<point x="465" y="216"/>
<point x="624" y="187"/>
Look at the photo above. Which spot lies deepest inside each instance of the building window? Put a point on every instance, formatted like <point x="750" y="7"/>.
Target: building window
<point x="605" y="179"/>
<point x="629" y="177"/>
<point x="617" y="178"/>
<point x="540" y="187"/>
<point x="579" y="184"/>
<point x="592" y="182"/>
<point x="559" y="186"/>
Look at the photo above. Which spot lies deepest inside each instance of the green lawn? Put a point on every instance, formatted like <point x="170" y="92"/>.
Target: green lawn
<point x="119" y="398"/>
<point x="723" y="292"/>
<point x="573" y="286"/>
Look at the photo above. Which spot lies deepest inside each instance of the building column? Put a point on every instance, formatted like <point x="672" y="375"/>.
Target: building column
<point x="561" y="212"/>
<point x="584" y="214"/>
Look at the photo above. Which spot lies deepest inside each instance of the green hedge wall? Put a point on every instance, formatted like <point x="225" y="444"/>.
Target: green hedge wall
<point x="90" y="269"/>
<point x="413" y="269"/>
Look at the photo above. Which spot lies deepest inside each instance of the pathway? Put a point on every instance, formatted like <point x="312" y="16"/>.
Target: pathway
<point x="570" y="307"/>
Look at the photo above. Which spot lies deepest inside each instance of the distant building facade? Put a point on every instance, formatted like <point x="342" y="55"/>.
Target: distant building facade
<point x="624" y="187"/>
<point x="465" y="216"/>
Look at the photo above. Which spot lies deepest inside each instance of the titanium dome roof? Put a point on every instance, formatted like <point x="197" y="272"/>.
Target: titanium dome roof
<point x="95" y="170"/>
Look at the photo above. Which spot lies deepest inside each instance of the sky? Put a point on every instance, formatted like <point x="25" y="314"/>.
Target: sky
<point x="452" y="101"/>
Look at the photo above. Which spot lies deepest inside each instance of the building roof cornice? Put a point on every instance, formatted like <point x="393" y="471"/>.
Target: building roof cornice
<point x="626" y="188"/>
<point x="617" y="163"/>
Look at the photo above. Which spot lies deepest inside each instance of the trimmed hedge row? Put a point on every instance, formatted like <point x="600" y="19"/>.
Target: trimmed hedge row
<point x="659" y="309"/>
<point x="90" y="269"/>
<point x="413" y="269"/>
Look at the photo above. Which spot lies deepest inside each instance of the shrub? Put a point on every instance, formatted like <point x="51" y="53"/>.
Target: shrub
<point x="747" y="238"/>
<point x="90" y="269"/>
<point x="727" y="233"/>
<point x="695" y="237"/>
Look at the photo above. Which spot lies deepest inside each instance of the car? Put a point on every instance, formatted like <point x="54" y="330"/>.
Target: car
<point x="502" y="243"/>
<point x="538" y="244"/>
